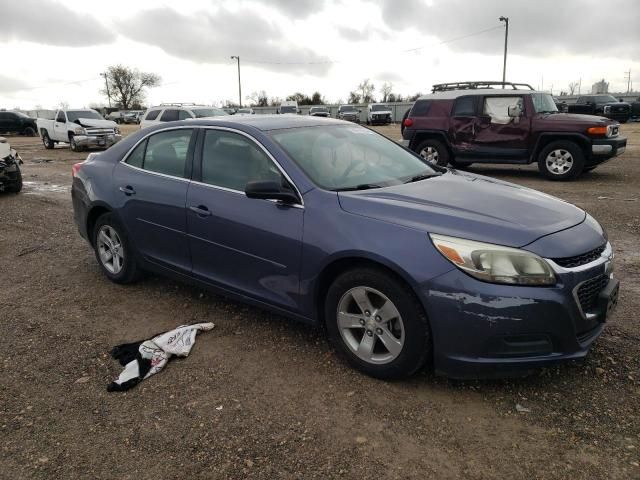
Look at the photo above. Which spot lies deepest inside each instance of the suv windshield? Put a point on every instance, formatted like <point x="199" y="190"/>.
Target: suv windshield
<point x="606" y="99"/>
<point x="350" y="157"/>
<point x="208" y="112"/>
<point x="378" y="108"/>
<point x="318" y="109"/>
<point x="347" y="108"/>
<point x="543" y="103"/>
<point x="73" y="115"/>
<point x="288" y="109"/>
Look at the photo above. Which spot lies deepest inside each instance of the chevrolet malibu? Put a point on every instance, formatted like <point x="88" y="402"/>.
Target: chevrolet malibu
<point x="403" y="263"/>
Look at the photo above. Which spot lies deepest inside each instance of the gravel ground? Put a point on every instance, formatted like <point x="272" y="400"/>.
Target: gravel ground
<point x="264" y="397"/>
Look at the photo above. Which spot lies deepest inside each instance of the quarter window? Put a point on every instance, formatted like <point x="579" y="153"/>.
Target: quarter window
<point x="231" y="160"/>
<point x="164" y="152"/>
<point x="152" y="115"/>
<point x="169" y="116"/>
<point x="465" y="107"/>
<point x="183" y="115"/>
<point x="136" y="158"/>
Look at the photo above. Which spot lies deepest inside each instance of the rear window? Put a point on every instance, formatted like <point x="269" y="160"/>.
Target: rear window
<point x="465" y="107"/>
<point x="152" y="115"/>
<point x="420" y="108"/>
<point x="169" y="116"/>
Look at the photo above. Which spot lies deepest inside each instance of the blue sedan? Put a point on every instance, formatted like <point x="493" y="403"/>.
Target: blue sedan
<point x="403" y="263"/>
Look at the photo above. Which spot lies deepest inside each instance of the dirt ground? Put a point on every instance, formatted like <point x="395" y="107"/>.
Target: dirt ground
<point x="264" y="397"/>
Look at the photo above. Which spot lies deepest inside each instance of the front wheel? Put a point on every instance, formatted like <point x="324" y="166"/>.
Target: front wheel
<point x="561" y="160"/>
<point x="74" y="144"/>
<point x="113" y="250"/>
<point x="433" y="152"/>
<point x="29" y="132"/>
<point x="377" y="324"/>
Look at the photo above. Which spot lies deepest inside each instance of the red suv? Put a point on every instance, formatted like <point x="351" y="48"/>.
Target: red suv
<point x="474" y="122"/>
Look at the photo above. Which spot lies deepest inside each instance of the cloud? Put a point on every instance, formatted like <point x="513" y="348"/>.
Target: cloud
<point x="50" y="23"/>
<point x="389" y="76"/>
<point x="10" y="84"/>
<point x="297" y="8"/>
<point x="361" y="34"/>
<point x="211" y="37"/>
<point x="536" y="29"/>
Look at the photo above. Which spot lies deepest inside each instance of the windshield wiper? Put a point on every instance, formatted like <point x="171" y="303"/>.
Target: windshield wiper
<point x="423" y="176"/>
<point x="363" y="186"/>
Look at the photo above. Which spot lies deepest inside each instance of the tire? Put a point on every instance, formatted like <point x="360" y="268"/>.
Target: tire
<point x="407" y="330"/>
<point x="125" y="270"/>
<point x="15" y="187"/>
<point x="46" y="141"/>
<point x="561" y="160"/>
<point x="29" y="132"/>
<point x="74" y="146"/>
<point x="589" y="169"/>
<point x="433" y="151"/>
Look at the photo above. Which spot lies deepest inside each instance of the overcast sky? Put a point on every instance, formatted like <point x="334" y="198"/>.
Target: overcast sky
<point x="53" y="51"/>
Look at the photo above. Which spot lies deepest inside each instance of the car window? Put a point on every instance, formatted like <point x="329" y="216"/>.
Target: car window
<point x="136" y="158"/>
<point x="183" y="115"/>
<point x="231" y="160"/>
<point x="60" y="118"/>
<point x="498" y="108"/>
<point x="420" y="108"/>
<point x="169" y="115"/>
<point x="167" y="152"/>
<point x="152" y="115"/>
<point x="465" y="107"/>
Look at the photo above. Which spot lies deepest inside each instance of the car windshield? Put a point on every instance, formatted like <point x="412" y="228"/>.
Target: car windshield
<point x="73" y="115"/>
<point x="350" y="157"/>
<point x="244" y="110"/>
<point x="318" y="109"/>
<point x="208" y="112"/>
<point x="288" y="109"/>
<point x="606" y="99"/>
<point x="347" y="108"/>
<point x="378" y="108"/>
<point x="543" y="103"/>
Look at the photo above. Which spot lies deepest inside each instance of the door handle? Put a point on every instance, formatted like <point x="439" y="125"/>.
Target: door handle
<point x="128" y="190"/>
<point x="200" y="210"/>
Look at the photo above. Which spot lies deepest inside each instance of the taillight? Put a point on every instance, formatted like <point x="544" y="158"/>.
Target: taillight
<point x="75" y="169"/>
<point x="408" y="122"/>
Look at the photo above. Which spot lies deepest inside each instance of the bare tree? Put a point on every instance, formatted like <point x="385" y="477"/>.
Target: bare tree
<point x="366" y="89"/>
<point x="354" y="97"/>
<point x="126" y="85"/>
<point x="259" y="99"/>
<point x="386" y="91"/>
<point x="573" y="86"/>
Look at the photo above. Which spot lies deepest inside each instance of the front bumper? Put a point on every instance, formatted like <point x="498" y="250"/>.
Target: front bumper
<point x="101" y="141"/>
<point x="605" y="148"/>
<point x="483" y="330"/>
<point x="380" y="119"/>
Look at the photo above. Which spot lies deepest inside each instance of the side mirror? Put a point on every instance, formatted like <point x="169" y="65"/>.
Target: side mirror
<point x="270" y="190"/>
<point x="514" y="111"/>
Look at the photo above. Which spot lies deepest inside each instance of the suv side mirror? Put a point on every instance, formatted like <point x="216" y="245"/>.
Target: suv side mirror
<point x="514" y="111"/>
<point x="270" y="190"/>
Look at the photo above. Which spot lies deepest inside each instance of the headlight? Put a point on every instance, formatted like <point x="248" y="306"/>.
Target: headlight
<point x="495" y="263"/>
<point x="80" y="131"/>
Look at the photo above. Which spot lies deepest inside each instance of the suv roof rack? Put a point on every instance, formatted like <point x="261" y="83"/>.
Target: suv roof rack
<point x="176" y="104"/>
<point x="443" y="87"/>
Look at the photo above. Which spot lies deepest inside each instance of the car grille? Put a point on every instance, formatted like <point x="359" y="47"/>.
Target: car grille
<point x="589" y="291"/>
<point x="579" y="260"/>
<point x="99" y="131"/>
<point x="621" y="109"/>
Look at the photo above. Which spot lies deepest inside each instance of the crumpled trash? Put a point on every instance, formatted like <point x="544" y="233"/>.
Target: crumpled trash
<point x="147" y="357"/>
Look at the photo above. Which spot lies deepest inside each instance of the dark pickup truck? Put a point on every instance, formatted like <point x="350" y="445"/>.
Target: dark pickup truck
<point x="602" y="105"/>
<point x="473" y="122"/>
<point x="17" y="122"/>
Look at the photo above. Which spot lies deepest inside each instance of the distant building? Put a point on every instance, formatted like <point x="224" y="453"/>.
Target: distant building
<point x="600" y="87"/>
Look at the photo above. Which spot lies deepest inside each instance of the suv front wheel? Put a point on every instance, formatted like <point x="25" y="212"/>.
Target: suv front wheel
<point x="561" y="160"/>
<point x="433" y="152"/>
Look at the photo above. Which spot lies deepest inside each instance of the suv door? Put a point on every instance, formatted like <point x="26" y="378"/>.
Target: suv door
<point x="247" y="245"/>
<point x="498" y="136"/>
<point x="462" y="126"/>
<point x="151" y="184"/>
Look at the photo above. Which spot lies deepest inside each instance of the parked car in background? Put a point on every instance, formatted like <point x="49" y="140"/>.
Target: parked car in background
<point x="472" y="122"/>
<point x="178" y="111"/>
<point x="349" y="113"/>
<point x="116" y="116"/>
<point x="133" y="117"/>
<point x="289" y="107"/>
<point x="561" y="105"/>
<point x="229" y="111"/>
<point x="10" y="174"/>
<point x="378" y="114"/>
<point x="403" y="263"/>
<point x="602" y="105"/>
<point x="80" y="128"/>
<point x="17" y="122"/>
<point x="635" y="109"/>
<point x="319" y="111"/>
<point x="245" y="111"/>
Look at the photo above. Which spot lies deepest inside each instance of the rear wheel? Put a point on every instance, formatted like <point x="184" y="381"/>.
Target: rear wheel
<point x="433" y="152"/>
<point x="46" y="141"/>
<point x="113" y="250"/>
<point x="376" y="323"/>
<point x="561" y="160"/>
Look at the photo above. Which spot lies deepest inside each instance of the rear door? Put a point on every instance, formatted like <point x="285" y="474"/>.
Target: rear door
<point x="247" y="245"/>
<point x="463" y="124"/>
<point x="152" y="183"/>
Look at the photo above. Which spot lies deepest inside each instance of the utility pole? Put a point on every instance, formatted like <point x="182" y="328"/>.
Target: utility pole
<point x="106" y="83"/>
<point x="506" y="39"/>
<point x="628" y="75"/>
<point x="239" y="84"/>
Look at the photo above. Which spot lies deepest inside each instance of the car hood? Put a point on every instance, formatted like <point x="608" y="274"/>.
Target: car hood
<point x="467" y="206"/>
<point x="92" y="122"/>
<point x="577" y="118"/>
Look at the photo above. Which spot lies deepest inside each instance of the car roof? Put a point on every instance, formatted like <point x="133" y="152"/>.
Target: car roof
<point x="264" y="122"/>
<point x="453" y="94"/>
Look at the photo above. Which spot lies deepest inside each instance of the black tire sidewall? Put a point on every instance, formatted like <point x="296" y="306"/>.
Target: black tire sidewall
<point x="129" y="272"/>
<point x="16" y="187"/>
<point x="46" y="140"/>
<point x="571" y="147"/>
<point x="417" y="344"/>
<point x="443" y="153"/>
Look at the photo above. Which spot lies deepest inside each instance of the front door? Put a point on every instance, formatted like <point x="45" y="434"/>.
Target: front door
<point x="247" y="245"/>
<point x="152" y="185"/>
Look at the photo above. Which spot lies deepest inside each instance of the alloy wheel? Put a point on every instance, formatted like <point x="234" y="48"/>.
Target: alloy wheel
<point x="430" y="154"/>
<point x="370" y="325"/>
<point x="559" y="161"/>
<point x="110" y="249"/>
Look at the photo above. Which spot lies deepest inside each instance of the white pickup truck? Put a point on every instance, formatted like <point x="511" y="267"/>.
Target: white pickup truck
<point x="79" y="128"/>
